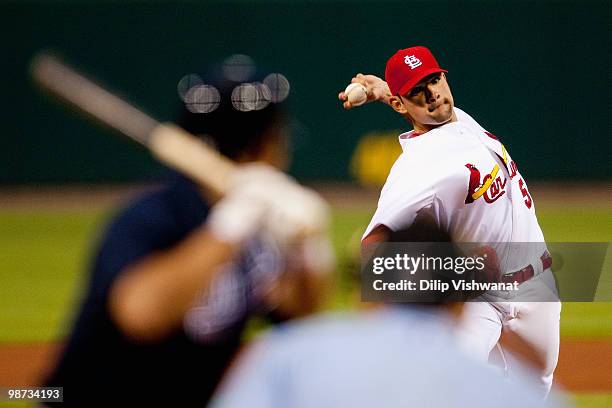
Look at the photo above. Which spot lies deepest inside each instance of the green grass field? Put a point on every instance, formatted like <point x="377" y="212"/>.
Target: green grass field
<point x="44" y="257"/>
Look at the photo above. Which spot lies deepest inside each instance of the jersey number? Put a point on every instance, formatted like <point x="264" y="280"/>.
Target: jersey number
<point x="526" y="195"/>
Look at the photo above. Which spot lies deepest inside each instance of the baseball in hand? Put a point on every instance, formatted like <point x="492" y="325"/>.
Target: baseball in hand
<point x="356" y="94"/>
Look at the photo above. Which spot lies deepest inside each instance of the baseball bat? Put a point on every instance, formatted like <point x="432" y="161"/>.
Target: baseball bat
<point x="169" y="143"/>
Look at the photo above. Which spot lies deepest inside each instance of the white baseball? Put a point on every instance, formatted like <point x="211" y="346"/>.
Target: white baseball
<point x="356" y="94"/>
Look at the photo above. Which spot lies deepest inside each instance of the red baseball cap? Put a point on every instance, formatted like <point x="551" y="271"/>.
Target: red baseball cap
<point x="408" y="67"/>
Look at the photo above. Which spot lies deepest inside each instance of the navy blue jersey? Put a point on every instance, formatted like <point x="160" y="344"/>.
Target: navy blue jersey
<point x="100" y="366"/>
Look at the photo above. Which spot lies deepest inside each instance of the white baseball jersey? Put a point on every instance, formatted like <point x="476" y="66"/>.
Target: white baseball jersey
<point x="467" y="180"/>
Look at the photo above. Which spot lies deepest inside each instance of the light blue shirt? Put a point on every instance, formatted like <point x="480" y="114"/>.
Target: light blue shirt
<point x="400" y="357"/>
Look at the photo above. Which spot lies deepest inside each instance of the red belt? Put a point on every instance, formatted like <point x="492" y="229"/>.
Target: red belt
<point x="527" y="272"/>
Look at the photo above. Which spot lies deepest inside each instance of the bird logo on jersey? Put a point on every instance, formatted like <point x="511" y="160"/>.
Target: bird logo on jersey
<point x="491" y="188"/>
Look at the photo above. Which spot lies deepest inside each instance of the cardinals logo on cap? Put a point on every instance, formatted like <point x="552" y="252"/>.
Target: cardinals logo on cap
<point x="407" y="67"/>
<point x="412" y="61"/>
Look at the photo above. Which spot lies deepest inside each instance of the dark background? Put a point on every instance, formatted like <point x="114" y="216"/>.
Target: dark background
<point x="534" y="73"/>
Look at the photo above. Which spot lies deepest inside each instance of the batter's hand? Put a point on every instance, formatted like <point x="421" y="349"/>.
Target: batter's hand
<point x="260" y="197"/>
<point x="377" y="90"/>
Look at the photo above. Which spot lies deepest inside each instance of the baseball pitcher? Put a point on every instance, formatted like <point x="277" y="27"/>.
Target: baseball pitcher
<point x="463" y="176"/>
